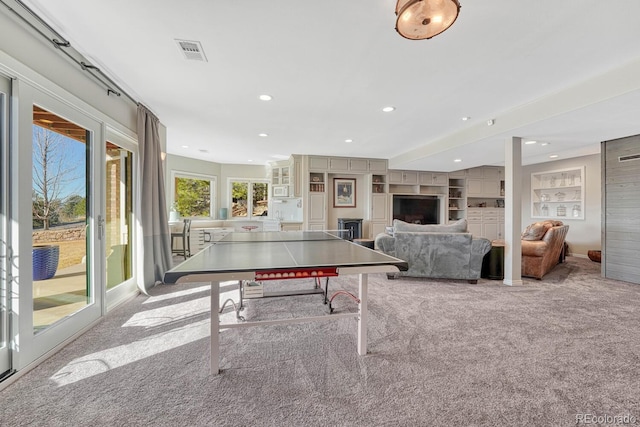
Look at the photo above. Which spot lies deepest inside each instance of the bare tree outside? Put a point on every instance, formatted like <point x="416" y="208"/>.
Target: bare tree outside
<point x="52" y="174"/>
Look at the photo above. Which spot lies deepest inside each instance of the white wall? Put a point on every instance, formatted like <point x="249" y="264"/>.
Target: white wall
<point x="222" y="172"/>
<point x="583" y="234"/>
<point x="23" y="51"/>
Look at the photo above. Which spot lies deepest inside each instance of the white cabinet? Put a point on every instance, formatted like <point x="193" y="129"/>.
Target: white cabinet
<point x="281" y="175"/>
<point x="483" y="188"/>
<point x="403" y="177"/>
<point x="379" y="214"/>
<point x="315" y="215"/>
<point x="338" y="164"/>
<point x="317" y="207"/>
<point x="558" y="194"/>
<point x="347" y="164"/>
<point x="462" y="173"/>
<point x="485" y="181"/>
<point x="377" y="165"/>
<point x="291" y="226"/>
<point x="358" y="165"/>
<point x="486" y="222"/>
<point x="203" y="237"/>
<point x="379" y="207"/>
<point x="319" y="163"/>
<point x="433" y="178"/>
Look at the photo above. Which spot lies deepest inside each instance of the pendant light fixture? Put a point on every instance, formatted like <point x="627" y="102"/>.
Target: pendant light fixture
<point x="423" y="19"/>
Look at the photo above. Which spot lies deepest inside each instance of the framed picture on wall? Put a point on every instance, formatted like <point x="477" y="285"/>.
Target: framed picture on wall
<point x="344" y="192"/>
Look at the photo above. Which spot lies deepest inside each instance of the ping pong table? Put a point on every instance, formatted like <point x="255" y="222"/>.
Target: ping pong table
<point x="259" y="256"/>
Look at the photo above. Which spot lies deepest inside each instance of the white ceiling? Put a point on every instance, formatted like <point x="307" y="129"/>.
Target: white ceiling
<point x="562" y="72"/>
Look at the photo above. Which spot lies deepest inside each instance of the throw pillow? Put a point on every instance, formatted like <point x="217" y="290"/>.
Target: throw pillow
<point x="536" y="231"/>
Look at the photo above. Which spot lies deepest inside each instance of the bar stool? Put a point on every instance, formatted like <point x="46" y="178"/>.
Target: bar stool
<point x="185" y="237"/>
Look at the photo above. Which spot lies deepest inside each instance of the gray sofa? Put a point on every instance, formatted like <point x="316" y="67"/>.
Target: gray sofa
<point x="436" y="251"/>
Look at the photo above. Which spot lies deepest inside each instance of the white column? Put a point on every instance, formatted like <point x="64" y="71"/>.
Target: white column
<point x="513" y="211"/>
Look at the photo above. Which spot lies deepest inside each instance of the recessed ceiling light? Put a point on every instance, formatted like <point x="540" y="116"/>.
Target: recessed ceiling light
<point x="264" y="135"/>
<point x="202" y="150"/>
<point x="185" y="146"/>
<point x="457" y="160"/>
<point x="348" y="141"/>
<point x="388" y="109"/>
<point x="531" y="142"/>
<point x="250" y="160"/>
<point x="553" y="156"/>
<point x="464" y="119"/>
<point x="265" y="97"/>
<point x="545" y="143"/>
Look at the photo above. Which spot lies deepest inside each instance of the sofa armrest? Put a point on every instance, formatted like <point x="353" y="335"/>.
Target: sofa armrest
<point x="534" y="248"/>
<point x="480" y="246"/>
<point x="385" y="243"/>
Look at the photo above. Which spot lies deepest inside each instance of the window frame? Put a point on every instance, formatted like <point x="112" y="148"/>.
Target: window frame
<point x="213" y="195"/>
<point x="251" y="182"/>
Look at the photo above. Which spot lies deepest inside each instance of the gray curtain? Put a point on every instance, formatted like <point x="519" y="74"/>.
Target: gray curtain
<point x="155" y="256"/>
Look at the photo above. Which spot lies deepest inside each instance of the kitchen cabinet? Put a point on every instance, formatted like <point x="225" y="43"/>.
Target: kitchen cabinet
<point x="291" y="226"/>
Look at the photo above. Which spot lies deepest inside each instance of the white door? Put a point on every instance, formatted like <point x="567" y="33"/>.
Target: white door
<point x="5" y="360"/>
<point x="58" y="220"/>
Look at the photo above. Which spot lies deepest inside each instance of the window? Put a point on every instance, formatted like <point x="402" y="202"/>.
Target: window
<point x="249" y="198"/>
<point x="193" y="195"/>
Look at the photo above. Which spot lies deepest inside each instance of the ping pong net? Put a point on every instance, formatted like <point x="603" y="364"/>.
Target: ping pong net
<point x="251" y="289"/>
<point x="287" y="236"/>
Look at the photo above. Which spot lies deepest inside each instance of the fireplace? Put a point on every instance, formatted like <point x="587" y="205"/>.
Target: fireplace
<point x="417" y="209"/>
<point x="352" y="224"/>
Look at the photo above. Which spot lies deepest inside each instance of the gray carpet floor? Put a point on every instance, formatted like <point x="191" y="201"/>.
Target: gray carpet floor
<point x="441" y="353"/>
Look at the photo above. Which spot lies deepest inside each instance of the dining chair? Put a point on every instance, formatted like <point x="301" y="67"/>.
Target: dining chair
<point x="184" y="237"/>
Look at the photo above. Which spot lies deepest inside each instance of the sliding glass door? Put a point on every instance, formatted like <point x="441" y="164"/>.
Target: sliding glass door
<point x="5" y="360"/>
<point x="61" y="229"/>
<point x="119" y="225"/>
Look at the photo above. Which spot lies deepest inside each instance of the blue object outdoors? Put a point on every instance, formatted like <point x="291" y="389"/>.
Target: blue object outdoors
<point x="45" y="261"/>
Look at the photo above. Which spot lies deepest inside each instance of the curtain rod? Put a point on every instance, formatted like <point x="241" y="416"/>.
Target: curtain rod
<point x="62" y="44"/>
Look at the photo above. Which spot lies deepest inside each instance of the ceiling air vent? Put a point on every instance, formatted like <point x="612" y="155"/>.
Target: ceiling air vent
<point x="192" y="50"/>
<point x="629" y="157"/>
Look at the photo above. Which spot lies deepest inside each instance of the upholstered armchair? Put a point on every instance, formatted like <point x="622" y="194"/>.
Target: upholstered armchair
<point x="542" y="244"/>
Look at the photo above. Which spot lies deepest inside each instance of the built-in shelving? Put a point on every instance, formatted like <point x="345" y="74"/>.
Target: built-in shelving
<point x="558" y="194"/>
<point x="378" y="184"/>
<point x="316" y="182"/>
<point x="457" y="199"/>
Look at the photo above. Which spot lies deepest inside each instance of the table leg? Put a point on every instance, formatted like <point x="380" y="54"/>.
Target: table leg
<point x="362" y="319"/>
<point x="214" y="363"/>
